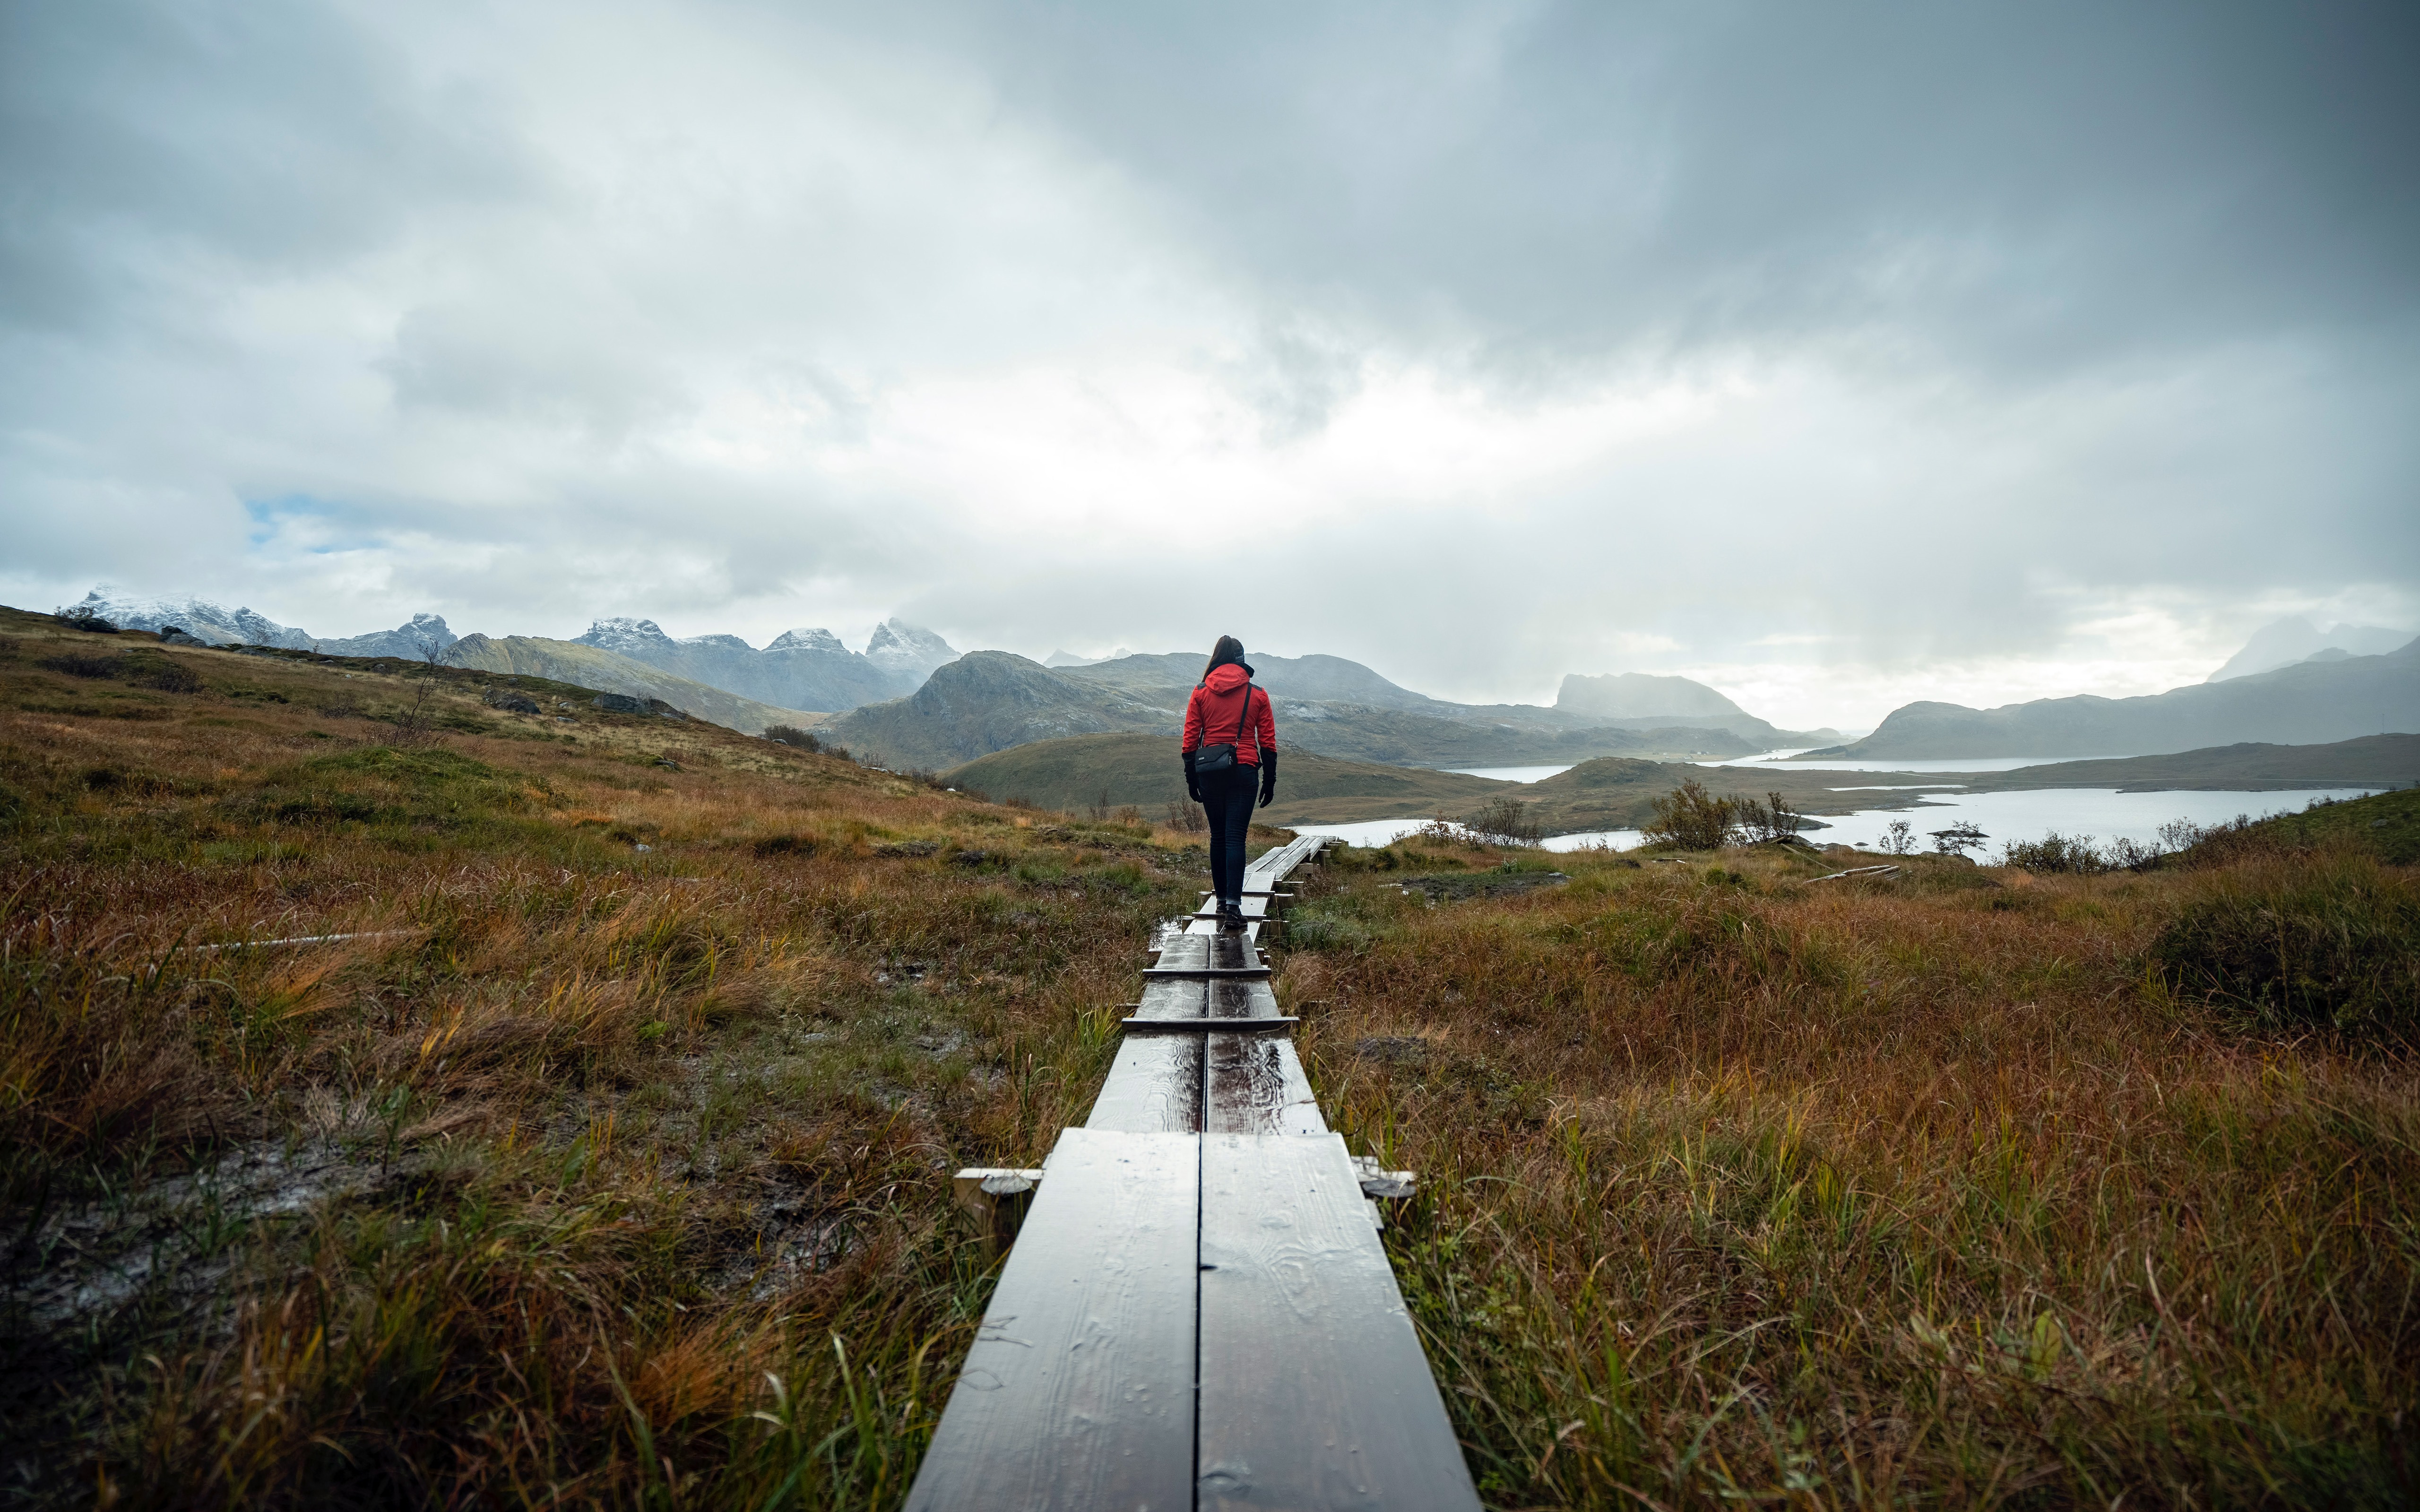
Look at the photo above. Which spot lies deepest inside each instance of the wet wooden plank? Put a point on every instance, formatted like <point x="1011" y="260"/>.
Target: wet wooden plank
<point x="1314" y="1391"/>
<point x="1078" y="1392"/>
<point x="1206" y="1025"/>
<point x="1153" y="1086"/>
<point x="1253" y="1083"/>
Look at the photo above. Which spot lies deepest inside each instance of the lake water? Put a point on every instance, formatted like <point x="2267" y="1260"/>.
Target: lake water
<point x="1770" y="758"/>
<point x="1837" y="764"/>
<point x="2104" y="813"/>
<point x="1513" y="774"/>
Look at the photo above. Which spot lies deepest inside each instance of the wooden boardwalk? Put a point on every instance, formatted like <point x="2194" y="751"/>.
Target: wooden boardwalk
<point x="1197" y="1312"/>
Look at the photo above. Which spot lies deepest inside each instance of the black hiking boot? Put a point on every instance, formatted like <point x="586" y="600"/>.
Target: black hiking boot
<point x="1231" y="915"/>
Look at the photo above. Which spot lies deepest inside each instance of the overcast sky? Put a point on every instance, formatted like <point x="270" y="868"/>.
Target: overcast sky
<point x="1837" y="354"/>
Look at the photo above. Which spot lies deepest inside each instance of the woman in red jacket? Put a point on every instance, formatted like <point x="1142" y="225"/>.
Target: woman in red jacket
<point x="1231" y="745"/>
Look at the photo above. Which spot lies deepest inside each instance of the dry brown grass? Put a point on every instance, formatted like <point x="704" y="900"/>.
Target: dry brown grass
<point x="587" y="1174"/>
<point x="596" y="1175"/>
<point x="1928" y="1191"/>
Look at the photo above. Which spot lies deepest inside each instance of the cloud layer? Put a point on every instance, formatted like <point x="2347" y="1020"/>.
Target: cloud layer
<point x="1842" y="355"/>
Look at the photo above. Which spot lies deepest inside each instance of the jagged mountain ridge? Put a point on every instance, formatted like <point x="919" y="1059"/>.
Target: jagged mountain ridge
<point x="803" y="669"/>
<point x="2308" y="703"/>
<point x="219" y="625"/>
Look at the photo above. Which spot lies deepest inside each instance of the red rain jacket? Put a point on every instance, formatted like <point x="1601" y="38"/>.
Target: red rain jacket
<point x="1214" y="716"/>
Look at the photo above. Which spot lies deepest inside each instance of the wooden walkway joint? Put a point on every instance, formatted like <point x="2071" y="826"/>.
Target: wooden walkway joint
<point x="1197" y="1312"/>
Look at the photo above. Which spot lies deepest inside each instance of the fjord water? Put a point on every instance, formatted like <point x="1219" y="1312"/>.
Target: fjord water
<point x="2105" y="813"/>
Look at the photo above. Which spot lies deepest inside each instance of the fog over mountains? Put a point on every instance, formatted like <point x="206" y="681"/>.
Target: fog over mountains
<point x="2296" y="638"/>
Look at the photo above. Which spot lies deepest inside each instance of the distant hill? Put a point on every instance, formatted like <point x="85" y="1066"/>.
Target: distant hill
<point x="1082" y="770"/>
<point x="1168" y="678"/>
<point x="2310" y="702"/>
<point x="804" y="669"/>
<point x="2290" y="641"/>
<point x="1646" y="700"/>
<point x="2370" y="761"/>
<point x="990" y="701"/>
<point x="568" y="661"/>
<point x="984" y="702"/>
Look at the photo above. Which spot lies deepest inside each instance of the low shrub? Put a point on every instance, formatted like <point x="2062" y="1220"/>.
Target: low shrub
<point x="1504" y="822"/>
<point x="2056" y="853"/>
<point x="2327" y="941"/>
<point x="1692" y="818"/>
<point x="78" y="664"/>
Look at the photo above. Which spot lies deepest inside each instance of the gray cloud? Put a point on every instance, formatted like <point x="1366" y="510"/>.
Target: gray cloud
<point x="1485" y="342"/>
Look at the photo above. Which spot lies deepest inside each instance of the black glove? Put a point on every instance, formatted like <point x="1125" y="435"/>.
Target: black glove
<point x="1268" y="777"/>
<point x="1192" y="783"/>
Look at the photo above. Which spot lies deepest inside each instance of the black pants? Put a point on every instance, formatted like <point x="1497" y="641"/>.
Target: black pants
<point x="1227" y="800"/>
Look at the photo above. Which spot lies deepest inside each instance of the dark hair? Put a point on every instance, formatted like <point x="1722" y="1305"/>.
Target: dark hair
<point x="1228" y="649"/>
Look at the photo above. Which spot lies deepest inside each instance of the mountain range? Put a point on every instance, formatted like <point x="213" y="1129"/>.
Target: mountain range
<point x="804" y="670"/>
<point x="990" y="700"/>
<point x="219" y="625"/>
<point x="800" y="669"/>
<point x="910" y="700"/>
<point x="2302" y="703"/>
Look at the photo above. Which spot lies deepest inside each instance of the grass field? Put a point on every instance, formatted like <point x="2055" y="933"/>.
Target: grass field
<point x="584" y="1173"/>
<point x="606" y="1162"/>
<point x="1965" y="1188"/>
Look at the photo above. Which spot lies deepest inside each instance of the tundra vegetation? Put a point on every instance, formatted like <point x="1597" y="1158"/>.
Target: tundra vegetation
<point x="586" y="1139"/>
<point x="1962" y="1186"/>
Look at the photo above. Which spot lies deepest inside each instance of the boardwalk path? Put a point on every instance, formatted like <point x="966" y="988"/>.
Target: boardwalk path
<point x="1197" y="1312"/>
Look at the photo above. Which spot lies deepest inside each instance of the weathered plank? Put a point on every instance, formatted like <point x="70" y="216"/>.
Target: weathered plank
<point x="1076" y="1393"/>
<point x="1153" y="1086"/>
<point x="1206" y="1025"/>
<point x="1314" y="1391"/>
<point x="1253" y="1083"/>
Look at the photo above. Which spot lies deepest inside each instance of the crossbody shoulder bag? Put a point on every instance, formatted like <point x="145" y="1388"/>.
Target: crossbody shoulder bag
<point x="1220" y="758"/>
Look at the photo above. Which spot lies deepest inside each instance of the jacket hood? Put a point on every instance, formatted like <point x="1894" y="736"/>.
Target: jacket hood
<point x="1228" y="678"/>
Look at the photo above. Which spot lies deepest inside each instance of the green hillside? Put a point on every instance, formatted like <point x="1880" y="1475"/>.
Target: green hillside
<point x="1143" y="769"/>
<point x="2386" y="824"/>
